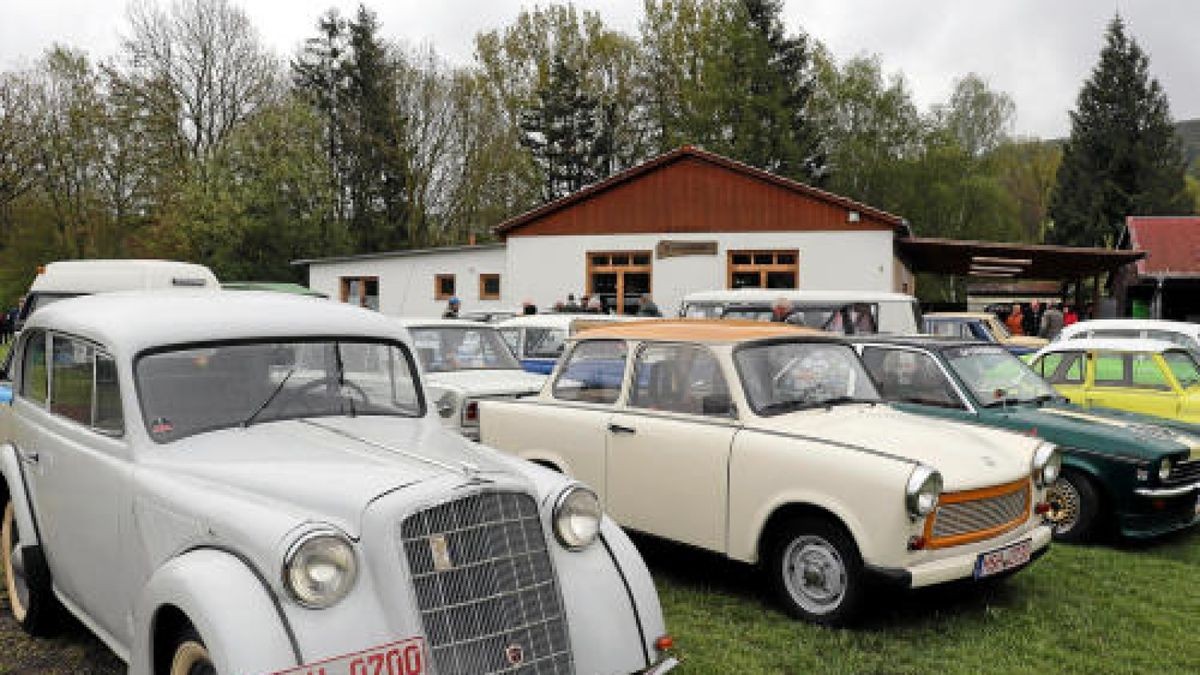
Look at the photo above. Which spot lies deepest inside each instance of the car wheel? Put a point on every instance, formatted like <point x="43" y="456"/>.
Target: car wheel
<point x="816" y="572"/>
<point x="1074" y="504"/>
<point x="26" y="579"/>
<point x="190" y="656"/>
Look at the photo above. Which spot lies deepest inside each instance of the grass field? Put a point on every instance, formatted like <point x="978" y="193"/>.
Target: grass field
<point x="1133" y="608"/>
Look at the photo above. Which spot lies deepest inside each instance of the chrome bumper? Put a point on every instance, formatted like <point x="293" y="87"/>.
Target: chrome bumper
<point x="1167" y="492"/>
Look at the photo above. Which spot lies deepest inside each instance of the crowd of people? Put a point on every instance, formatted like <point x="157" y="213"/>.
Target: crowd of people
<point x="1040" y="320"/>
<point x="585" y="304"/>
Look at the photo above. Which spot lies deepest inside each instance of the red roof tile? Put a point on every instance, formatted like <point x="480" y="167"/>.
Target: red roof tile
<point x="1172" y="244"/>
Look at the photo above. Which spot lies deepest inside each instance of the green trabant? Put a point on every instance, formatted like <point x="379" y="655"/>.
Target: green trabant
<point x="1138" y="473"/>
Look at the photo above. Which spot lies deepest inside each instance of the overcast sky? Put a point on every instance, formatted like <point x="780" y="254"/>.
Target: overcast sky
<point x="1039" y="51"/>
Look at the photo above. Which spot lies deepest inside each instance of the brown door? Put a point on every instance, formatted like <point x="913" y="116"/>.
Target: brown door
<point x="619" y="279"/>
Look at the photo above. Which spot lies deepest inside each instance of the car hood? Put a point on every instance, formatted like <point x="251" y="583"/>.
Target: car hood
<point x="968" y="456"/>
<point x="1108" y="431"/>
<point x="326" y="469"/>
<point x="488" y="382"/>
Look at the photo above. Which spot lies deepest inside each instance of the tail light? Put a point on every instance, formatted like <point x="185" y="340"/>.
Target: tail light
<point x="471" y="412"/>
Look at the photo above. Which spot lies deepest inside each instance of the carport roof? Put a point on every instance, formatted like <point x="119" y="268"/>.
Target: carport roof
<point x="995" y="260"/>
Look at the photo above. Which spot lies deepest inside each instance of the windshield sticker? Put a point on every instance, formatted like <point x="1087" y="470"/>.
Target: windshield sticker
<point x="980" y="350"/>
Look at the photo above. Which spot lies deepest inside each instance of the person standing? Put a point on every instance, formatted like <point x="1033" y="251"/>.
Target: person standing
<point x="1069" y="316"/>
<point x="571" y="306"/>
<point x="452" y="308"/>
<point x="646" y="306"/>
<point x="1052" y="322"/>
<point x="1015" y="321"/>
<point x="1033" y="318"/>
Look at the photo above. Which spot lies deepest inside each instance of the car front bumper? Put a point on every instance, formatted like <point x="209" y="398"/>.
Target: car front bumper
<point x="1155" y="512"/>
<point x="960" y="565"/>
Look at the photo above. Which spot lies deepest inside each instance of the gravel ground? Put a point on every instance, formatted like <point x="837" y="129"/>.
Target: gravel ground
<point x="74" y="650"/>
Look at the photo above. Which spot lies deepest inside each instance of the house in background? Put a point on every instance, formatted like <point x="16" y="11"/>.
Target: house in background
<point x="1165" y="284"/>
<point x="685" y="221"/>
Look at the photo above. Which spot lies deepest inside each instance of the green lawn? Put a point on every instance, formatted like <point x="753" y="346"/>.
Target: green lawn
<point x="1133" y="608"/>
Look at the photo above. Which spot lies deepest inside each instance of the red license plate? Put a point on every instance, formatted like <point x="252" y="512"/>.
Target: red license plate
<point x="994" y="562"/>
<point x="406" y="657"/>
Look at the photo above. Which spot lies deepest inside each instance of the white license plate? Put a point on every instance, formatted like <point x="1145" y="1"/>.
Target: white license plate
<point x="406" y="657"/>
<point x="1007" y="558"/>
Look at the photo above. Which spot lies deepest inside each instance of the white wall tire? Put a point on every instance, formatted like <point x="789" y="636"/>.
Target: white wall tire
<point x="26" y="579"/>
<point x="190" y="656"/>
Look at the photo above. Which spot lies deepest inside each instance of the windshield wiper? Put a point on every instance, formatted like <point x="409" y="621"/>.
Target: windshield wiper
<point x="263" y="406"/>
<point x="1007" y="401"/>
<point x="792" y="406"/>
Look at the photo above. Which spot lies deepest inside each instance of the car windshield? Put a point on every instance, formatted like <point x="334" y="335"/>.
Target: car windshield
<point x="784" y="376"/>
<point x="1183" y="366"/>
<point x="995" y="376"/>
<point x="192" y="389"/>
<point x="446" y="349"/>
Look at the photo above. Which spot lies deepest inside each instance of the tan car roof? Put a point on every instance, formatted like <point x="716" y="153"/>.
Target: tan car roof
<point x="700" y="330"/>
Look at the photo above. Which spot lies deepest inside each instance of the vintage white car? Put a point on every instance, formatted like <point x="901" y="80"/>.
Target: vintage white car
<point x="538" y="339"/>
<point x="465" y="362"/>
<point x="255" y="483"/>
<point x="768" y="444"/>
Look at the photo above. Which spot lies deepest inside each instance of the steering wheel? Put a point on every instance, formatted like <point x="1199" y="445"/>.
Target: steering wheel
<point x="299" y="393"/>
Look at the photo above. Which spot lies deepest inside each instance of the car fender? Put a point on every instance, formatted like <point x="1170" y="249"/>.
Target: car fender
<point x="14" y="478"/>
<point x="751" y="545"/>
<point x="230" y="605"/>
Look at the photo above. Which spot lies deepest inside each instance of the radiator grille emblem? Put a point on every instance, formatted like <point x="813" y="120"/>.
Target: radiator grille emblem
<point x="440" y="550"/>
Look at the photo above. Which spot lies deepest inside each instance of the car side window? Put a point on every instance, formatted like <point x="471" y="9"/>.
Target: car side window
<point x="108" y="417"/>
<point x="593" y="372"/>
<point x="544" y="343"/>
<point x="1061" y="368"/>
<point x="71" y="378"/>
<point x="1147" y="374"/>
<point x="35" y="377"/>
<point x="512" y="338"/>
<point x="906" y="375"/>
<point x="1111" y="369"/>
<point x="680" y="378"/>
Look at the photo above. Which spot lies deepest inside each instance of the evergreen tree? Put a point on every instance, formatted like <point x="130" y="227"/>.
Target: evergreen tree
<point x="1123" y="157"/>
<point x="561" y="130"/>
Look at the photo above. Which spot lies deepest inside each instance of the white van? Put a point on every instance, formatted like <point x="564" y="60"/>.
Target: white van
<point x="71" y="278"/>
<point x="849" y="312"/>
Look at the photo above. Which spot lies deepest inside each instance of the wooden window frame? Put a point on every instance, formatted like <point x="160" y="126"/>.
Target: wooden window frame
<point x="483" y="294"/>
<point x="762" y="269"/>
<point x="437" y="286"/>
<point x="344" y="288"/>
<point x="620" y="270"/>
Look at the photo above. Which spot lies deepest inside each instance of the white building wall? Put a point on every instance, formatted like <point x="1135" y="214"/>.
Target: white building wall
<point x="545" y="269"/>
<point x="406" y="281"/>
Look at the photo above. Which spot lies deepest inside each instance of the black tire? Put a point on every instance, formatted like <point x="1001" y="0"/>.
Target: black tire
<point x="189" y="655"/>
<point x="829" y="589"/>
<point x="1074" y="507"/>
<point x="26" y="580"/>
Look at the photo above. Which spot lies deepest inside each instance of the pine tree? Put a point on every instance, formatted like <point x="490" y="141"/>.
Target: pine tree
<point x="1123" y="157"/>
<point x="562" y="131"/>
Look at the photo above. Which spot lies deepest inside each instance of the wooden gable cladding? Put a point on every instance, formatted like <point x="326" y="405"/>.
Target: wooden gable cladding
<point x="691" y="191"/>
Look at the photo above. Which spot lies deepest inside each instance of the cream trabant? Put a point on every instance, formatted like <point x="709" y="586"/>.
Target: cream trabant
<point x="769" y="444"/>
<point x="244" y="483"/>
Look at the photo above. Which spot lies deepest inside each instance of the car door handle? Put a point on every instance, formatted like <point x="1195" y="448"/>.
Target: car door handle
<point x="618" y="429"/>
<point x="30" y="457"/>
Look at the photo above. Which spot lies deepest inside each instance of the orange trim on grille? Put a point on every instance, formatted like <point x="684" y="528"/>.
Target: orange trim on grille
<point x="975" y="495"/>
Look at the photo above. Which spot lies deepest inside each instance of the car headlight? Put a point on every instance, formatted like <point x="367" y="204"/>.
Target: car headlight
<point x="923" y="490"/>
<point x="320" y="569"/>
<point x="576" y="517"/>
<point x="1164" y="469"/>
<point x="1047" y="464"/>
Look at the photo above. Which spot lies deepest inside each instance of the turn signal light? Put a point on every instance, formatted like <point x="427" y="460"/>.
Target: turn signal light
<point x="1041" y="508"/>
<point x="664" y="643"/>
<point x="472" y="412"/>
<point x="916" y="543"/>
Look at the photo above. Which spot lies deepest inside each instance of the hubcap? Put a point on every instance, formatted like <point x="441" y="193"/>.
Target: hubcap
<point x="1064" y="505"/>
<point x="814" y="574"/>
<point x="14" y="564"/>
<point x="191" y="658"/>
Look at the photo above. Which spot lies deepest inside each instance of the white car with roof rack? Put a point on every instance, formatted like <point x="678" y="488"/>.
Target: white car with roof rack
<point x="1181" y="333"/>
<point x="220" y="484"/>
<point x="537" y="340"/>
<point x="847" y="312"/>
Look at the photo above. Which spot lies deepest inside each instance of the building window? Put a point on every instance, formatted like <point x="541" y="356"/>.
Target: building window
<point x="619" y="279"/>
<point x="489" y="286"/>
<point x="361" y="291"/>
<point x="443" y="286"/>
<point x="764" y="269"/>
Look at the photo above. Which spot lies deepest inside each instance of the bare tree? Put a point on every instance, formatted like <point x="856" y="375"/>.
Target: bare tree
<point x="207" y="59"/>
<point x="18" y="141"/>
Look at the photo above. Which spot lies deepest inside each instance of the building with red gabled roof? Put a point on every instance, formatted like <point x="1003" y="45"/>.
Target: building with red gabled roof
<point x="1165" y="284"/>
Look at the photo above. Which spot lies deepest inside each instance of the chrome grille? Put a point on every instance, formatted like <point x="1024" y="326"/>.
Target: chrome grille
<point x="485" y="586"/>
<point x="959" y="518"/>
